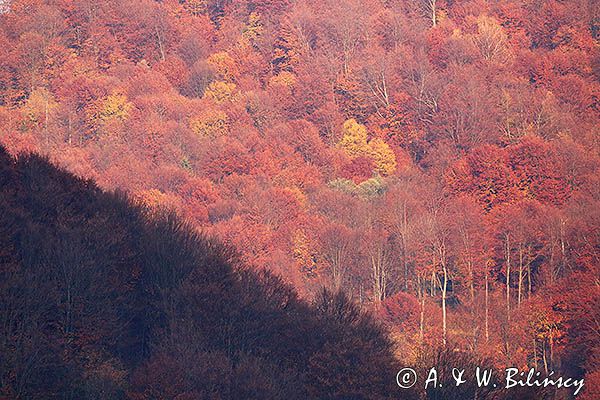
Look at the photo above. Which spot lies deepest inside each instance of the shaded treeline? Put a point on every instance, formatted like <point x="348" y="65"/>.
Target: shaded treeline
<point x="102" y="298"/>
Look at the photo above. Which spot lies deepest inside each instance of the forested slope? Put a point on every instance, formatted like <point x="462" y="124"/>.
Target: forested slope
<point x="436" y="160"/>
<point x="103" y="299"/>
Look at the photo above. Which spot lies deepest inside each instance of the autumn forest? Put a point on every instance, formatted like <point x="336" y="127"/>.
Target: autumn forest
<point x="293" y="199"/>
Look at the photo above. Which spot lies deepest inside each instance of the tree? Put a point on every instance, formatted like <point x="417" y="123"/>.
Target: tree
<point x="347" y="35"/>
<point x="114" y="108"/>
<point x="383" y="157"/>
<point x="491" y="40"/>
<point x="224" y="65"/>
<point x="539" y="169"/>
<point x="211" y="124"/>
<point x="220" y="92"/>
<point x="484" y="174"/>
<point x="337" y="246"/>
<point x="430" y="9"/>
<point x="470" y="245"/>
<point x="435" y="236"/>
<point x="354" y="143"/>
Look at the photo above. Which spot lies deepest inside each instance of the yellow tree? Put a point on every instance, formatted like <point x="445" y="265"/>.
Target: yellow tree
<point x="211" y="123"/>
<point x="114" y="108"/>
<point x="284" y="78"/>
<point x="195" y="7"/>
<point x="223" y="64"/>
<point x="39" y="108"/>
<point x="355" y="144"/>
<point x="354" y="139"/>
<point x="383" y="156"/>
<point x="254" y="29"/>
<point x="220" y="92"/>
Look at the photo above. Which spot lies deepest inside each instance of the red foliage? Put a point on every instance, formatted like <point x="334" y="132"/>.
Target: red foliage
<point x="358" y="169"/>
<point x="492" y="115"/>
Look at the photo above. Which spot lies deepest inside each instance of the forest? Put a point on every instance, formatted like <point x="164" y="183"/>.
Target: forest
<point x="417" y="180"/>
<point x="102" y="298"/>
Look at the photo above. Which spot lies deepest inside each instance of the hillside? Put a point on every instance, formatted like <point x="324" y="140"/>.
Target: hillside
<point x="103" y="299"/>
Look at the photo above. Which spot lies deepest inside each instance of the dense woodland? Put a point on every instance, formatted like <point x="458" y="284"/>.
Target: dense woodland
<point x="102" y="298"/>
<point x="435" y="160"/>
<point x="106" y="298"/>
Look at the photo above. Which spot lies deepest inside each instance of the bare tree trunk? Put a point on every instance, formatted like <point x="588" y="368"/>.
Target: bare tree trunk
<point x="544" y="358"/>
<point x="422" y="321"/>
<point x="563" y="247"/>
<point x="422" y="317"/>
<point x="528" y="280"/>
<point x="429" y="9"/>
<point x="520" y="274"/>
<point x="404" y="244"/>
<point x="535" y="357"/>
<point x="487" y="307"/>
<point x="160" y="43"/>
<point x="379" y="273"/>
<point x="441" y="250"/>
<point x="474" y="309"/>
<point x="337" y="270"/>
<point x="472" y="284"/>
<point x="507" y="255"/>
<point x="444" y="295"/>
<point x="551" y="350"/>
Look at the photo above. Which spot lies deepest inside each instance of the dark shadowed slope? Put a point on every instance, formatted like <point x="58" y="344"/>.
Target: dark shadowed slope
<point x="104" y="299"/>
